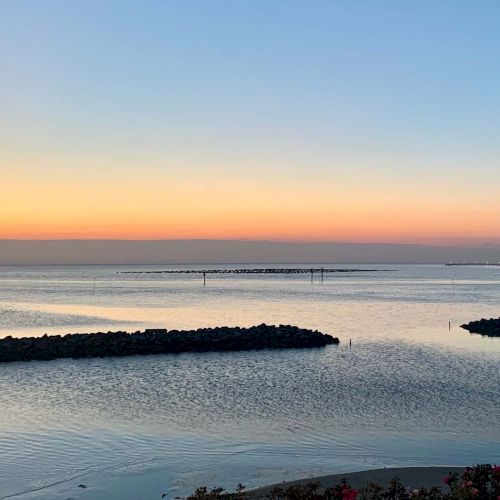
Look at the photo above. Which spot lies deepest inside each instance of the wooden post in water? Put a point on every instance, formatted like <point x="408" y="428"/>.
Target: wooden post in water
<point x="204" y="278"/>
<point x="322" y="274"/>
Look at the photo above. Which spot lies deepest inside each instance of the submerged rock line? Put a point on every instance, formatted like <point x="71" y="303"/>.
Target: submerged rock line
<point x="272" y="270"/>
<point x="160" y="341"/>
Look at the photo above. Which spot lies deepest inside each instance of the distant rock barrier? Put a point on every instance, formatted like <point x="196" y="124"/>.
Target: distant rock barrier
<point x="489" y="327"/>
<point x="160" y="341"/>
<point x="259" y="270"/>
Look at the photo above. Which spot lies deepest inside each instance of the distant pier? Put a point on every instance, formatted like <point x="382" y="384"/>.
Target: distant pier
<point x="473" y="264"/>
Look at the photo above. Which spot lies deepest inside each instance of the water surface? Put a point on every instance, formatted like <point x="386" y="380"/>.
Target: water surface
<point x="410" y="391"/>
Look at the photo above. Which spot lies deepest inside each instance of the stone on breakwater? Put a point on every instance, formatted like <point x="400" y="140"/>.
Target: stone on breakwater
<point x="160" y="341"/>
<point x="489" y="327"/>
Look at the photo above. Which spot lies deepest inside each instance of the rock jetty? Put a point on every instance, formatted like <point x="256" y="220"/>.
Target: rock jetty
<point x="489" y="327"/>
<point x="258" y="270"/>
<point x="160" y="341"/>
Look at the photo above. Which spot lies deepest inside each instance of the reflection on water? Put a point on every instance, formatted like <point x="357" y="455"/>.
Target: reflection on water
<point x="409" y="392"/>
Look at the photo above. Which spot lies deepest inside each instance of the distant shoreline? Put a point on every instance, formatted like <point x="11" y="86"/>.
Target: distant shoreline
<point x="235" y="252"/>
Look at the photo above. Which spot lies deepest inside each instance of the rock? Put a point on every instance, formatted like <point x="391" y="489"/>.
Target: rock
<point x="489" y="327"/>
<point x="160" y="341"/>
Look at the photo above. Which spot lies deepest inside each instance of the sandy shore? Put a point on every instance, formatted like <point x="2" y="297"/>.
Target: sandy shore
<point x="414" y="477"/>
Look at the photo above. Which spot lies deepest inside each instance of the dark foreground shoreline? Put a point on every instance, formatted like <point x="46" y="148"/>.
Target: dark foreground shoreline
<point x="160" y="341"/>
<point x="413" y="477"/>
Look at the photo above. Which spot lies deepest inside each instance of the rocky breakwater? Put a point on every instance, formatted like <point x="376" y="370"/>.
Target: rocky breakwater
<point x="160" y="341"/>
<point x="489" y="327"/>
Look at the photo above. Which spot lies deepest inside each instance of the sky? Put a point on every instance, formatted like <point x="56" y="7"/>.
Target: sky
<point x="349" y="121"/>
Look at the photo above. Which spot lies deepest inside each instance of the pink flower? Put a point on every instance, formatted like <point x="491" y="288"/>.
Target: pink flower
<point x="447" y="479"/>
<point x="349" y="493"/>
<point x="474" y="491"/>
<point x="468" y="484"/>
<point x="496" y="469"/>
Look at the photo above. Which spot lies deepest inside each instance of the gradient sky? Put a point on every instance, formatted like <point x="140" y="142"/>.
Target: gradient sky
<point x="314" y="120"/>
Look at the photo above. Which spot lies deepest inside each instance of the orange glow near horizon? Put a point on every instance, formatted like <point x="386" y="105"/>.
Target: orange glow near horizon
<point x="44" y="198"/>
<point x="172" y="210"/>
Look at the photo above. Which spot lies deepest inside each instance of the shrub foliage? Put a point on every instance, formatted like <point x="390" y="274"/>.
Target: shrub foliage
<point x="481" y="482"/>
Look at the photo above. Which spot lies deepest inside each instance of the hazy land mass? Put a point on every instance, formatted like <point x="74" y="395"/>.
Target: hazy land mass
<point x="75" y="252"/>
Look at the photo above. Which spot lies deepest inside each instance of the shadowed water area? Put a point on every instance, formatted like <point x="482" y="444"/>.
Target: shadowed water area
<point x="411" y="390"/>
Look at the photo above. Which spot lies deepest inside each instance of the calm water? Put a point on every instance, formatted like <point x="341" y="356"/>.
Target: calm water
<point x="409" y="391"/>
